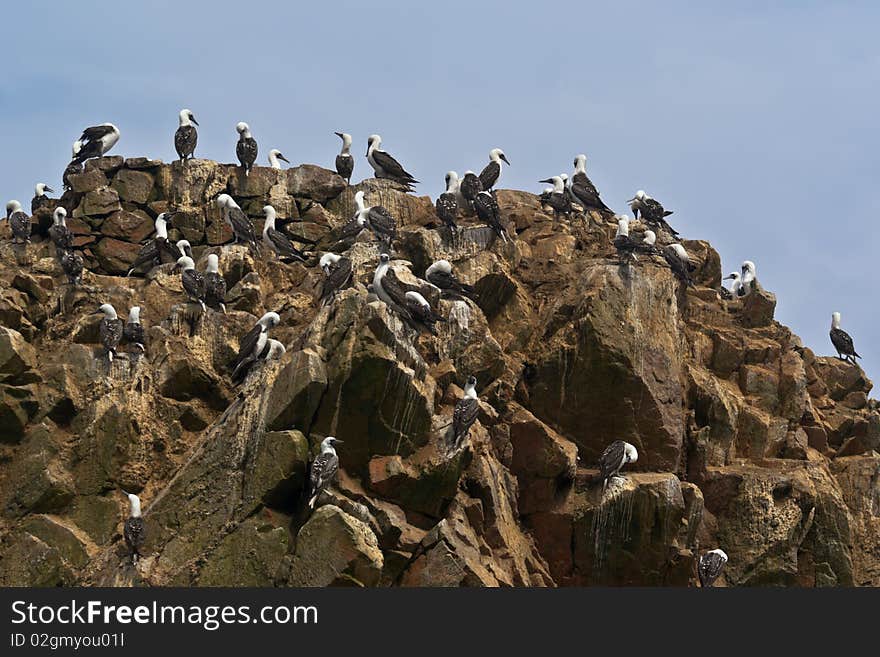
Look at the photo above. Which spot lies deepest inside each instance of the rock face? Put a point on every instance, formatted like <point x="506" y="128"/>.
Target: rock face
<point x="747" y="440"/>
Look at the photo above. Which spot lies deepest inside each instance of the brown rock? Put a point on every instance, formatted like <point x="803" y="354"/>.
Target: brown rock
<point x="115" y="256"/>
<point x="100" y="202"/>
<point x="133" y="186"/>
<point x="134" y="226"/>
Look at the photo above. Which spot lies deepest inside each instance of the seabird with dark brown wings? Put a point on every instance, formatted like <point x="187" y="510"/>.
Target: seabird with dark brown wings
<point x="324" y="469"/>
<point x="710" y="567"/>
<point x="447" y="203"/>
<point x="158" y="249"/>
<point x="215" y="284"/>
<point x="246" y="148"/>
<point x="615" y="456"/>
<point x="378" y="219"/>
<point x="486" y="206"/>
<point x="134" y="531"/>
<point x="133" y="330"/>
<point x="276" y="240"/>
<point x="385" y="166"/>
<point x="651" y="211"/>
<point x="420" y="310"/>
<point x="465" y="414"/>
<point x="253" y="343"/>
<point x="187" y="136"/>
<point x="679" y="262"/>
<point x="192" y="281"/>
<point x="626" y="246"/>
<point x="558" y="199"/>
<point x="345" y="160"/>
<point x="338" y="274"/>
<point x="40" y="199"/>
<point x="470" y="185"/>
<point x="96" y="141"/>
<point x="241" y="225"/>
<point x="440" y="274"/>
<point x="19" y="222"/>
<point x="110" y="329"/>
<point x="842" y="341"/>
<point x="492" y="171"/>
<point x="583" y="189"/>
<point x="59" y="233"/>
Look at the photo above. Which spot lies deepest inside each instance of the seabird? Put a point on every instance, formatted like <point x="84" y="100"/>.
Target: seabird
<point x="110" y="329"/>
<point x="241" y="225"/>
<point x="465" y="414"/>
<point x="392" y="291"/>
<point x="842" y="341"/>
<point x="469" y="186"/>
<point x="486" y="206"/>
<point x="72" y="264"/>
<point x="193" y="282"/>
<point x="583" y="189"/>
<point x="59" y="233"/>
<point x="75" y="167"/>
<point x="648" y="244"/>
<point x="352" y="228"/>
<point x="710" y="567"/>
<point x="379" y="219"/>
<point x="134" y="531"/>
<point x="679" y="262"/>
<point x="345" y="161"/>
<point x="19" y="222"/>
<point x="272" y="350"/>
<point x="96" y="141"/>
<point x="133" y="331"/>
<point x="557" y="199"/>
<point x="338" y="275"/>
<point x="186" y="136"/>
<point x="386" y="166"/>
<point x="420" y="310"/>
<point x="492" y="171"/>
<point x="40" y="200"/>
<point x="253" y="343"/>
<point x="246" y="148"/>
<point x="749" y="278"/>
<point x="736" y="288"/>
<point x="447" y="203"/>
<point x="651" y="210"/>
<point x="185" y="248"/>
<point x="625" y="245"/>
<point x="274" y="157"/>
<point x="324" y="469"/>
<point x="440" y="274"/>
<point x="158" y="248"/>
<point x="215" y="284"/>
<point x="278" y="241"/>
<point x="615" y="456"/>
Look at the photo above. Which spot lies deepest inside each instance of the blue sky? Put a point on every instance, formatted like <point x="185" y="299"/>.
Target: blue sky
<point x="755" y="122"/>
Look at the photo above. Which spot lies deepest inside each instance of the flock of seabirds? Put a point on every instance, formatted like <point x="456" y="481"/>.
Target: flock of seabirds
<point x="472" y="193"/>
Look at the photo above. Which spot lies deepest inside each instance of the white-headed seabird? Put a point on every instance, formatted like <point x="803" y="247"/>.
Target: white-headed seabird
<point x="72" y="264"/>
<point x="420" y="310"/>
<point x="736" y="288"/>
<point x="679" y="262"/>
<point x="749" y="278"/>
<point x="246" y="148"/>
<point x="185" y="248"/>
<point x="842" y="341"/>
<point x="615" y="456"/>
<point x="440" y="274"/>
<point x="275" y="158"/>
<point x="187" y="136"/>
<point x="193" y="282"/>
<point x="75" y="167"/>
<point x="710" y="567"/>
<point x="19" y="222"/>
<point x="583" y="189"/>
<point x="447" y="203"/>
<point x="469" y="186"/>
<point x="278" y="241"/>
<point x="241" y="225"/>
<point x="625" y="245"/>
<point x="392" y="291"/>
<point x="96" y="141"/>
<point x="59" y="233"/>
<point x="134" y="531"/>
<point x="558" y="199"/>
<point x="252" y="345"/>
<point x="648" y="244"/>
<point x="651" y="210"/>
<point x="110" y="329"/>
<point x="215" y="284"/>
<point x="133" y="331"/>
<point x="386" y="166"/>
<point x="40" y="200"/>
<point x="492" y="171"/>
<point x="324" y="469"/>
<point x="345" y="160"/>
<point x="465" y="414"/>
<point x="486" y="206"/>
<point x="338" y="275"/>
<point x="157" y="249"/>
<point x="378" y="219"/>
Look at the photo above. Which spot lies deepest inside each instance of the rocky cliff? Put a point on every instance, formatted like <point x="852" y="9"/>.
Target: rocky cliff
<point x="747" y="439"/>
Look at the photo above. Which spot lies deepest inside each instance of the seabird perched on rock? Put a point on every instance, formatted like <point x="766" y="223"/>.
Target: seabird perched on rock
<point x="648" y="244"/>
<point x="338" y="274"/>
<point x="749" y="278"/>
<point x="156" y="250"/>
<point x="185" y="248"/>
<point x="583" y="189"/>
<point x="19" y="222"/>
<point x="241" y="225"/>
<point x="392" y="291"/>
<point x="440" y="274"/>
<point x="110" y="329"/>
<point x="615" y="456"/>
<point x="352" y="228"/>
<point x="40" y="200"/>
<point x="59" y="233"/>
<point x="273" y="350"/>
<point x="386" y="166"/>
<point x="492" y="171"/>
<point x="278" y="241"/>
<point x="679" y="262"/>
<point x="96" y="141"/>
<point x="253" y="343"/>
<point x="420" y="310"/>
<point x="187" y="136"/>
<point x="345" y="160"/>
<point x="379" y="220"/>
<point x="133" y="331"/>
<point x="469" y="186"/>
<point x="558" y="199"/>
<point x="274" y="157"/>
<point x="215" y="284"/>
<point x="447" y="203"/>
<point x="193" y="282"/>
<point x="710" y="567"/>
<point x="486" y="206"/>
<point x="134" y="530"/>
<point x="842" y="341"/>
<point x="246" y="148"/>
<point x="736" y="288"/>
<point x="324" y="469"/>
<point x="625" y="245"/>
<point x="72" y="265"/>
<point x="75" y="167"/>
<point x="651" y="210"/>
<point x="465" y="414"/>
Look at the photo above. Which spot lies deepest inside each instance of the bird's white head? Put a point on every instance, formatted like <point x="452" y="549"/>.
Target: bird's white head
<point x="732" y="276"/>
<point x="496" y="154"/>
<point x="835" y="320"/>
<point x="243" y="129"/>
<point x="185" y="263"/>
<point x="41" y="188"/>
<point x="622" y="225"/>
<point x="270" y="214"/>
<point x="680" y="252"/>
<point x="440" y="265"/>
<point x="630" y="452"/>
<point x="213" y="265"/>
<point x="329" y="444"/>
<point x="183" y="245"/>
<point x="186" y="118"/>
<point x="12" y="206"/>
<point x="414" y="296"/>
<point x="135" y="503"/>
<point x="274" y="156"/>
<point x="59" y="215"/>
<point x="76" y="148"/>
<point x="346" y="140"/>
<point x="269" y="320"/>
<point x="470" y="388"/>
<point x="374" y="141"/>
<point x="748" y="269"/>
<point x="384" y="258"/>
<point x="580" y="163"/>
<point x="327" y="260"/>
<point x="276" y="350"/>
<point x="650" y="238"/>
<point x="108" y="310"/>
<point x="721" y="553"/>
<point x="451" y="181"/>
<point x="134" y="315"/>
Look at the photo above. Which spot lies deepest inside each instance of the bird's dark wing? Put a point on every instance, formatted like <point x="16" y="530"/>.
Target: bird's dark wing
<point x="382" y="222"/>
<point x="447" y="209"/>
<point x="215" y="288"/>
<point x="843" y="342"/>
<point x="72" y="264"/>
<point x="463" y="417"/>
<point x="337" y="279"/>
<point x="134" y="533"/>
<point x="111" y="333"/>
<point x="283" y="246"/>
<point x="324" y="469"/>
<point x="241" y="225"/>
<point x="149" y="253"/>
<point x="588" y="196"/>
<point x="21" y="225"/>
<point x="246" y="150"/>
<point x="247" y="345"/>
<point x="350" y="229"/>
<point x="470" y="187"/>
<point x="612" y="459"/>
<point x="194" y="284"/>
<point x="345" y="166"/>
<point x="392" y="167"/>
<point x="95" y="132"/>
<point x="489" y="175"/>
<point x="185" y="140"/>
<point x="61" y="236"/>
<point x="679" y="268"/>
<point x="710" y="568"/>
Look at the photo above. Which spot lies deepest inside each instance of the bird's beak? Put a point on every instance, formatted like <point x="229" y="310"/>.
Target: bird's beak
<point x="368" y="150"/>
<point x="504" y="157"/>
<point x="546" y="180"/>
<point x="48" y="189"/>
<point x="193" y="119"/>
<point x="339" y="442"/>
<point x="632" y="200"/>
<point x="281" y="157"/>
<point x="338" y="134"/>
<point x="726" y="278"/>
